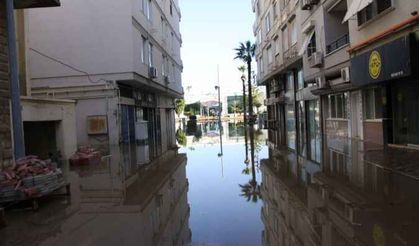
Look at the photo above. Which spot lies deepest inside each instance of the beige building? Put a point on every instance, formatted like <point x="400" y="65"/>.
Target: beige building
<point x="352" y="76"/>
<point x="119" y="61"/>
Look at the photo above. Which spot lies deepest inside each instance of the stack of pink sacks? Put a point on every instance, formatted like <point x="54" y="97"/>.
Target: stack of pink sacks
<point x="85" y="156"/>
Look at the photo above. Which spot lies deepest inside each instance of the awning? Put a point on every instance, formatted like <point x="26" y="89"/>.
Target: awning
<point x="356" y="6"/>
<point x="306" y="42"/>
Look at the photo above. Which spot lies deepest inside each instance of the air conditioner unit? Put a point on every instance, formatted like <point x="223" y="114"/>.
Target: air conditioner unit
<point x="316" y="59"/>
<point x="166" y="79"/>
<point x="152" y="72"/>
<point x="321" y="83"/>
<point x="345" y="74"/>
<point x="306" y="4"/>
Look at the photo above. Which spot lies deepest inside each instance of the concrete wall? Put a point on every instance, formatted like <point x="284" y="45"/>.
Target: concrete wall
<point x="5" y="131"/>
<point x="96" y="107"/>
<point x="93" y="36"/>
<point x="60" y="111"/>
<point x="102" y="38"/>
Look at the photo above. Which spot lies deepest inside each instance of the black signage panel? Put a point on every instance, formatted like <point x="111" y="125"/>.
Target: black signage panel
<point x="387" y="62"/>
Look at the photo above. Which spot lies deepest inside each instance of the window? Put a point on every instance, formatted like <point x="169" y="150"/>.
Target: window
<point x="163" y="66"/>
<point x="143" y="49"/>
<point x="302" y="138"/>
<point x="337" y="106"/>
<point x="259" y="36"/>
<point x="291" y="131"/>
<point x="149" y="10"/>
<point x="372" y="10"/>
<point x="150" y="54"/>
<point x="269" y="53"/>
<point x="293" y="33"/>
<point x="313" y="125"/>
<point x="312" y="46"/>
<point x="268" y="22"/>
<point x="275" y="11"/>
<point x="171" y="8"/>
<point x="300" y="79"/>
<point x="373" y="106"/>
<point x="285" y="39"/>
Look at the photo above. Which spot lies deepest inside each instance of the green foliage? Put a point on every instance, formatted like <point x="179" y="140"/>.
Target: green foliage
<point x="180" y="106"/>
<point x="257" y="97"/>
<point x="181" y="138"/>
<point x="193" y="109"/>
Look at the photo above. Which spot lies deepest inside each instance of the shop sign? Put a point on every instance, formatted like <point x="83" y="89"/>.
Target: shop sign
<point x="387" y="62"/>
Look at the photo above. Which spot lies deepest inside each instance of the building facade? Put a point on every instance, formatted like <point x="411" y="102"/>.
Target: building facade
<point x="120" y="62"/>
<point x="351" y="86"/>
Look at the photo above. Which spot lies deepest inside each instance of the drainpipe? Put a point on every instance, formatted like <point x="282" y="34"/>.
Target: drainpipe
<point x="19" y="145"/>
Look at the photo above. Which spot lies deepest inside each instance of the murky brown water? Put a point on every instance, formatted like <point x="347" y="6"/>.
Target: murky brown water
<point x="200" y="197"/>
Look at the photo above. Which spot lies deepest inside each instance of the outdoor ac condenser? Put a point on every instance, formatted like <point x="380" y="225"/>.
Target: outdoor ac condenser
<point x="141" y="138"/>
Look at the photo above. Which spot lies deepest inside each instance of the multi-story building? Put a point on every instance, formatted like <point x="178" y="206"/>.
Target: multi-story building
<point x="120" y="62"/>
<point x="293" y="111"/>
<point x="354" y="90"/>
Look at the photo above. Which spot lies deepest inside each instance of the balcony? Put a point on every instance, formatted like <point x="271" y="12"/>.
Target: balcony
<point x="291" y="53"/>
<point x="337" y="44"/>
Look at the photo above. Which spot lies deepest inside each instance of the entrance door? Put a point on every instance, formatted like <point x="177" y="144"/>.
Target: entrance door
<point x="356" y="115"/>
<point x="406" y="113"/>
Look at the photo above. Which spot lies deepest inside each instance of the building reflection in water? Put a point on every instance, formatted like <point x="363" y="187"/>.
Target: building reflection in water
<point x="356" y="199"/>
<point x="110" y="207"/>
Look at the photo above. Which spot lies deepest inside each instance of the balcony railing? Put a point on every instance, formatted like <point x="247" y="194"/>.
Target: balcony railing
<point x="340" y="42"/>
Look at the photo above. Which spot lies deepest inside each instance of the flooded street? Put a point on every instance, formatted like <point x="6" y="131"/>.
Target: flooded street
<point x="224" y="210"/>
<point x="206" y="194"/>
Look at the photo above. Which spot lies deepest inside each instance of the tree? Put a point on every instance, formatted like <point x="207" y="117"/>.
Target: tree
<point x="246" y="52"/>
<point x="257" y="98"/>
<point x="181" y="138"/>
<point x="180" y="106"/>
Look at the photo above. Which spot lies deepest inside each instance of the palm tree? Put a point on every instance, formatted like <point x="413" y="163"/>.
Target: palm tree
<point x="246" y="52"/>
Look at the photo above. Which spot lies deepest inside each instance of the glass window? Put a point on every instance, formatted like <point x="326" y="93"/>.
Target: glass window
<point x="314" y="132"/>
<point x="293" y="33"/>
<point x="337" y="106"/>
<point x="373" y="103"/>
<point x="312" y="46"/>
<point x="300" y="81"/>
<point x="150" y="54"/>
<point x="285" y="39"/>
<point x="291" y="131"/>
<point x="268" y="22"/>
<point x="270" y="56"/>
<point x="143" y="49"/>
<point x="372" y="10"/>
<point x="302" y="138"/>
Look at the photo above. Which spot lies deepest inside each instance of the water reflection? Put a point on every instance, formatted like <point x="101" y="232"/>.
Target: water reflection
<point x="363" y="195"/>
<point x="225" y="189"/>
<point x="110" y="205"/>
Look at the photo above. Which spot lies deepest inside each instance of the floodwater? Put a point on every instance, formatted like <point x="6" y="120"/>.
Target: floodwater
<point x="221" y="190"/>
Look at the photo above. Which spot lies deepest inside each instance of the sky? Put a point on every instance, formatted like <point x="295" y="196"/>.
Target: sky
<point x="211" y="29"/>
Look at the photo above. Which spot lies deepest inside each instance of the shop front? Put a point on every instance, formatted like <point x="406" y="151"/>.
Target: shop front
<point x="389" y="80"/>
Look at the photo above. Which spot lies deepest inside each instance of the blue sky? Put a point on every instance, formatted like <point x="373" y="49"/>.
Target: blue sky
<point x="211" y="29"/>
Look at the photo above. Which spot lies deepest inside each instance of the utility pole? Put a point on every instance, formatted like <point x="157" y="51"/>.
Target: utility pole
<point x="18" y="140"/>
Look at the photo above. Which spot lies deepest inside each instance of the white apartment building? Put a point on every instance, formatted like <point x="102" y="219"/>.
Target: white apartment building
<point x="120" y="61"/>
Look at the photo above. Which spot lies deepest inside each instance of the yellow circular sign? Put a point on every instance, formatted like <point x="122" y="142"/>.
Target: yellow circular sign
<point x="375" y="65"/>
